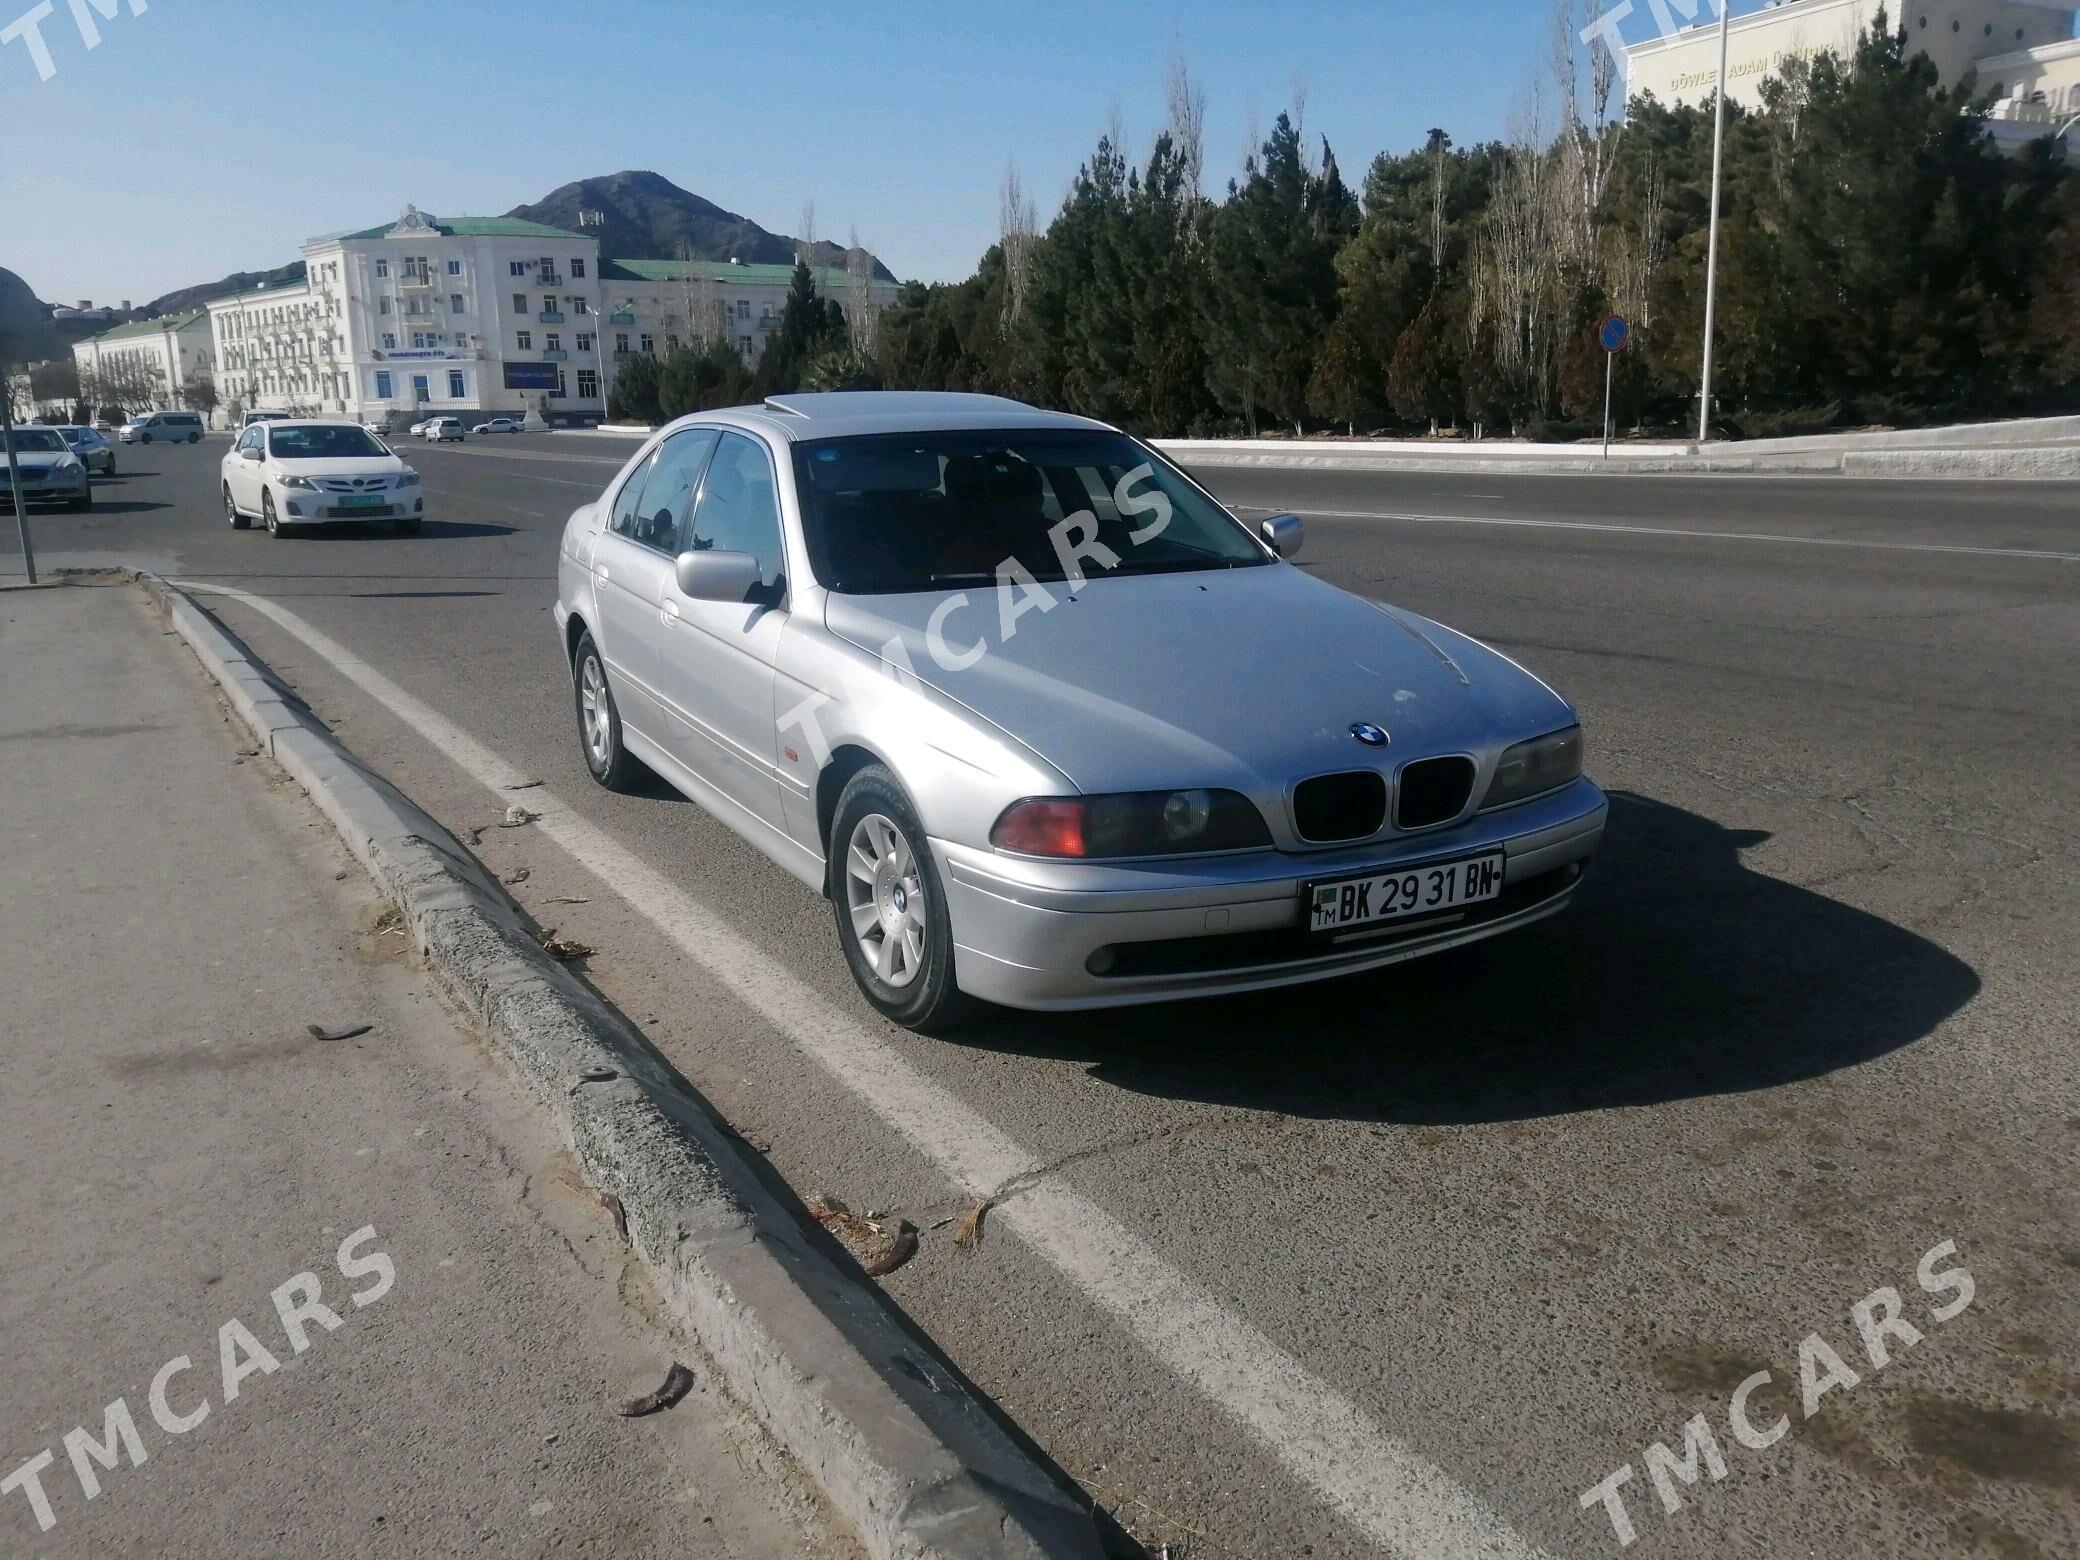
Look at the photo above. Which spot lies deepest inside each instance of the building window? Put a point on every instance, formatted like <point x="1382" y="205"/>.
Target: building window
<point x="743" y="308"/>
<point x="588" y="384"/>
<point x="584" y="341"/>
<point x="648" y="344"/>
<point x="420" y="391"/>
<point x="454" y="303"/>
<point x="561" y="390"/>
<point x="578" y="306"/>
<point x="422" y="340"/>
<point x="455" y="390"/>
<point x="526" y="341"/>
<point x="577" y="268"/>
<point x="744" y="344"/>
<point x="382" y="384"/>
<point x="621" y="341"/>
<point x="454" y="267"/>
<point x="382" y="268"/>
<point x="519" y="303"/>
<point x="382" y="306"/>
<point x="516" y="268"/>
<point x="553" y="341"/>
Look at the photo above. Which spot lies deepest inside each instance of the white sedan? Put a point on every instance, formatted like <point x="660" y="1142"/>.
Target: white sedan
<point x="306" y="472"/>
<point x="498" y="425"/>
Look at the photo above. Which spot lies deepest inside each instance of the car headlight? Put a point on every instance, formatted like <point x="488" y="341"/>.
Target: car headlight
<point x="410" y="478"/>
<point x="1532" y="768"/>
<point x="298" y="482"/>
<point x="1133" y="823"/>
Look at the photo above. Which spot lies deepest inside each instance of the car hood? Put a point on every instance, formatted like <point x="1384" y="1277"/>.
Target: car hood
<point x="361" y="466"/>
<point x="33" y="460"/>
<point x="1245" y="678"/>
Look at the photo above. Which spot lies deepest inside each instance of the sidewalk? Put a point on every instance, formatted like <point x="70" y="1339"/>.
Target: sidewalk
<point x="178" y="1148"/>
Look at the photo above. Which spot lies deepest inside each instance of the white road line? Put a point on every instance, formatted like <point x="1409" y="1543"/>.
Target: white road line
<point x="1379" y="1484"/>
<point x="1666" y="530"/>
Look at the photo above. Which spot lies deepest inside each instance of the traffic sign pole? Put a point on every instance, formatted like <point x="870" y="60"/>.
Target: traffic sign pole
<point x="1610" y="363"/>
<point x="14" y="476"/>
<point x="1613" y="335"/>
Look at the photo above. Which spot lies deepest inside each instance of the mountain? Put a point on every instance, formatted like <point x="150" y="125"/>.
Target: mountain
<point x="186" y="298"/>
<point x="28" y="333"/>
<point x="648" y="217"/>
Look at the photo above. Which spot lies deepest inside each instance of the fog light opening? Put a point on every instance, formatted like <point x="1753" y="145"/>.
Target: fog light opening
<point x="1101" y="962"/>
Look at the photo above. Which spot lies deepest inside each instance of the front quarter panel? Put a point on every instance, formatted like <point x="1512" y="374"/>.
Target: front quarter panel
<point x="574" y="568"/>
<point x="833" y="699"/>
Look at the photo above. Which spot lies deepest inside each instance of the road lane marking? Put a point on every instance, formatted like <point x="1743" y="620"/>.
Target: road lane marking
<point x="1377" y="1483"/>
<point x="1666" y="530"/>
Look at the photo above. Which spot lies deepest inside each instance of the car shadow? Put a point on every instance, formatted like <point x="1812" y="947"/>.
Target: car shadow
<point x="1678" y="973"/>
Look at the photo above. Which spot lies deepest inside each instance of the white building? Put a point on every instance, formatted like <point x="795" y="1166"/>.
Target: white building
<point x="481" y="314"/>
<point x="2021" y="52"/>
<point x="147" y="363"/>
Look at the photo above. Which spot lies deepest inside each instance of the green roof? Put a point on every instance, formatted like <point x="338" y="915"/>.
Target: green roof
<point x="720" y="270"/>
<point x="476" y="227"/>
<point x="152" y="327"/>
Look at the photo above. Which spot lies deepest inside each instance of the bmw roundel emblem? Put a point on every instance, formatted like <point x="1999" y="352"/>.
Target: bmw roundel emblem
<point x="1369" y="734"/>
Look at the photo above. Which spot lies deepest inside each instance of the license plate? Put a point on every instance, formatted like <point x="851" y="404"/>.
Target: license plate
<point x="1393" y="896"/>
<point x="361" y="500"/>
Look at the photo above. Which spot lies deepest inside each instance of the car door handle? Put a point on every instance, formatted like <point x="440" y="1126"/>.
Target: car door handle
<point x="599" y="570"/>
<point x="669" y="611"/>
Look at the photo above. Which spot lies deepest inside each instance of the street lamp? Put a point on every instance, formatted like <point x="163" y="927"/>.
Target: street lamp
<point x="1711" y="264"/>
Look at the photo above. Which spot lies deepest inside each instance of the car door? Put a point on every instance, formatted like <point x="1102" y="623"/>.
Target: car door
<point x="716" y="676"/>
<point x="244" y="477"/>
<point x="632" y="571"/>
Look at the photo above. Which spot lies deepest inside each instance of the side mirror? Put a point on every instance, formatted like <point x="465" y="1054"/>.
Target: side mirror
<point x="1284" y="534"/>
<point x="716" y="576"/>
<point x="250" y="454"/>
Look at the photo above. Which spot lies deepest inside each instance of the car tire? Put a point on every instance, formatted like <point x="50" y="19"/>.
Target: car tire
<point x="238" y="521"/>
<point x="144" y="438"/>
<point x="194" y="438"/>
<point x="599" y="720"/>
<point x="900" y="951"/>
<point x="275" y="528"/>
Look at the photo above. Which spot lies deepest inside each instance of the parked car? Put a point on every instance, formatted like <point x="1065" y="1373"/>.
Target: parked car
<point x="418" y="428"/>
<point x="498" y="425"/>
<point x="442" y="429"/>
<point x="50" y="472"/>
<point x="94" y="451"/>
<point x="167" y="427"/>
<point x="306" y="471"/>
<point x="1132" y="754"/>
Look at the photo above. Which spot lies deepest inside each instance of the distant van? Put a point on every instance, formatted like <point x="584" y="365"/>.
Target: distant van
<point x="173" y="427"/>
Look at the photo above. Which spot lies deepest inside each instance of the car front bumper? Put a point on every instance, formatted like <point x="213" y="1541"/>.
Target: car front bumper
<point x="323" y="509"/>
<point x="1026" y="931"/>
<point x="63" y="490"/>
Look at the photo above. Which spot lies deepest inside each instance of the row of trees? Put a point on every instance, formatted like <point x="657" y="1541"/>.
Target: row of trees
<point x="1880" y="261"/>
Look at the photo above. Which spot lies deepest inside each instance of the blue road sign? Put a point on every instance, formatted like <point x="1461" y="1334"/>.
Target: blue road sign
<point x="1614" y="333"/>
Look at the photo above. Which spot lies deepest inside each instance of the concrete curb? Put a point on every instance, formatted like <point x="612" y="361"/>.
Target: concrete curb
<point x="907" y="1451"/>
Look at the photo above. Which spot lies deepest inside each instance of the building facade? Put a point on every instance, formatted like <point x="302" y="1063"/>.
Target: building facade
<point x="148" y="364"/>
<point x="471" y="315"/>
<point x="2020" y="52"/>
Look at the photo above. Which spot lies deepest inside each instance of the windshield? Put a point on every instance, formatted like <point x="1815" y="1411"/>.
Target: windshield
<point x="889" y="513"/>
<point x="322" y="443"/>
<point x="35" y="441"/>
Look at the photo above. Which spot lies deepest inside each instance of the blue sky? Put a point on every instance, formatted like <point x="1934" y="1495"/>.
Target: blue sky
<point x="205" y="136"/>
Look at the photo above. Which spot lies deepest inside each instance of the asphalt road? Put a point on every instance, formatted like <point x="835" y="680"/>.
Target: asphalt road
<point x="1498" y="1221"/>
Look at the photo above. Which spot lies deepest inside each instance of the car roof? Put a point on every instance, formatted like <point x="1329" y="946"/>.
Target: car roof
<point x="312" y="422"/>
<point x="840" y="414"/>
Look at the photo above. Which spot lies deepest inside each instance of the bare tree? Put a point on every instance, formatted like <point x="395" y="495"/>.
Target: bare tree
<point x="1185" y="124"/>
<point x="805" y="243"/>
<point x="859" y="280"/>
<point x="1017" y="226"/>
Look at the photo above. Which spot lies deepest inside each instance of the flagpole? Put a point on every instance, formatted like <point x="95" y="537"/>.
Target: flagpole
<point x="1711" y="268"/>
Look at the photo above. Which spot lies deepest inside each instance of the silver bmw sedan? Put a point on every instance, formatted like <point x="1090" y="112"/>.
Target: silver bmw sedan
<point x="1046" y="724"/>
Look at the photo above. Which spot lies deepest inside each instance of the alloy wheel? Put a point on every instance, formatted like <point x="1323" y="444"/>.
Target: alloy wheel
<point x="884" y="897"/>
